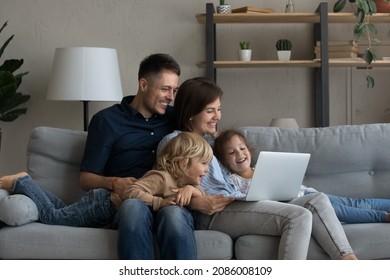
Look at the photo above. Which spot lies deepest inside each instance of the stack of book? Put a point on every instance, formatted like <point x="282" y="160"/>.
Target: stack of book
<point x="339" y="49"/>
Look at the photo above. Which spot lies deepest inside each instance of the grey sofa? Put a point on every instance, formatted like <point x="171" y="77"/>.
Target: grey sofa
<point x="346" y="160"/>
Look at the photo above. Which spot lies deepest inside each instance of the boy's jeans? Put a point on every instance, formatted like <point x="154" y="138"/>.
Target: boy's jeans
<point x="94" y="209"/>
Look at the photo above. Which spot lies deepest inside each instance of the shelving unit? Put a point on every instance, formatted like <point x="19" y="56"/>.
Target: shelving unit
<point x="320" y="20"/>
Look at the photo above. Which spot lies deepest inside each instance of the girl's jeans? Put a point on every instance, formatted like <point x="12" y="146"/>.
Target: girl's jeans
<point x="94" y="209"/>
<point x="360" y="210"/>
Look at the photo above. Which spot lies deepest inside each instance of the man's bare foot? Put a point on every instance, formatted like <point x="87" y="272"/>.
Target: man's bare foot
<point x="7" y="182"/>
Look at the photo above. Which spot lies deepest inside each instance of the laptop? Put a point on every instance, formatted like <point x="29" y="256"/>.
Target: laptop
<point x="277" y="176"/>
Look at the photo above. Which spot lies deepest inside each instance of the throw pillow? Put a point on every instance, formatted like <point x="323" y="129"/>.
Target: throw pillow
<point x="3" y="193"/>
<point x="17" y="210"/>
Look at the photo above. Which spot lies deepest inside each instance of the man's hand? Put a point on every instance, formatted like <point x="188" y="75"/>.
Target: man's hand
<point x="119" y="185"/>
<point x="210" y="204"/>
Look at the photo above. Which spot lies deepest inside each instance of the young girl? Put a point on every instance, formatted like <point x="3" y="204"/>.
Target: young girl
<point x="180" y="167"/>
<point x="232" y="151"/>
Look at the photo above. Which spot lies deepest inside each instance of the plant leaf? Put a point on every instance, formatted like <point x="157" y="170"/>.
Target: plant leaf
<point x="5" y="45"/>
<point x="372" y="6"/>
<point x="12" y="115"/>
<point x="339" y="5"/>
<point x="370" y="81"/>
<point x="368" y="56"/>
<point x="372" y="28"/>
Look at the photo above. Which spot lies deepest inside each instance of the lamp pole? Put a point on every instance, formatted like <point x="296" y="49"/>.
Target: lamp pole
<point x="86" y="114"/>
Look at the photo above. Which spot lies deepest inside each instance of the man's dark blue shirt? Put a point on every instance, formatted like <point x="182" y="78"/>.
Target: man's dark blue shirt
<point x="122" y="143"/>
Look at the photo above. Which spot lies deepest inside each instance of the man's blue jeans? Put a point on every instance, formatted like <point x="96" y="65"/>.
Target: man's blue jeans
<point x="94" y="209"/>
<point x="360" y="210"/>
<point x="137" y="223"/>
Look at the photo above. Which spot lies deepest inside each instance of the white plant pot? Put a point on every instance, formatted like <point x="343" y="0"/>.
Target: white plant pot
<point x="284" y="55"/>
<point x="244" y="55"/>
<point x="224" y="9"/>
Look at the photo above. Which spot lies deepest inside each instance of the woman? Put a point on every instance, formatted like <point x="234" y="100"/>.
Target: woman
<point x="198" y="109"/>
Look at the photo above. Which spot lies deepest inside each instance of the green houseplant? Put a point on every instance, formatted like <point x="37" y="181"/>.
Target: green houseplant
<point x="224" y="8"/>
<point x="245" y="45"/>
<point x="364" y="29"/>
<point x="10" y="98"/>
<point x="283" y="47"/>
<point x="245" y="52"/>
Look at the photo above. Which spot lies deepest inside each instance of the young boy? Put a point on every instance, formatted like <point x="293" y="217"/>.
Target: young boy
<point x="180" y="168"/>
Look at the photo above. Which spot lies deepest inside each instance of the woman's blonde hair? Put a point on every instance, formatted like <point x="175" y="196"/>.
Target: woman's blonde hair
<point x="183" y="148"/>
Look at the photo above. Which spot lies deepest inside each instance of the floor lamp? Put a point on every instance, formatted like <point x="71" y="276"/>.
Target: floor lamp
<point x="85" y="74"/>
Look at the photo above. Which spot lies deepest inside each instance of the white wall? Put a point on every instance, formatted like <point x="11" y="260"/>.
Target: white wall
<point x="139" y="28"/>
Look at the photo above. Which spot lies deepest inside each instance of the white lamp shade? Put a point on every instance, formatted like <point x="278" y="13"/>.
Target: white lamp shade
<point x="284" y="123"/>
<point x="85" y="74"/>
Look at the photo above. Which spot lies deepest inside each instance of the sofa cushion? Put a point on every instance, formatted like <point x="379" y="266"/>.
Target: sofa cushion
<point x="346" y="160"/>
<point x="53" y="160"/>
<point x="3" y="193"/>
<point x="17" y="210"/>
<point x="40" y="241"/>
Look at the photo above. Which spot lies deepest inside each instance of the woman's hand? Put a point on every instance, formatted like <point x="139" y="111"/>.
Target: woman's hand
<point x="168" y="201"/>
<point x="210" y="204"/>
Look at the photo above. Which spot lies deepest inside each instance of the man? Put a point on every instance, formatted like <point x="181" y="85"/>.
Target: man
<point x="121" y="145"/>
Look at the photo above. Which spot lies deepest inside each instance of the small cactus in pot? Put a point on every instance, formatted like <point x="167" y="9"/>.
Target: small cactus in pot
<point x="284" y="46"/>
<point x="244" y="53"/>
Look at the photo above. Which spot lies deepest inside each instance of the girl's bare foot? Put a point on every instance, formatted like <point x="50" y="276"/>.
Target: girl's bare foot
<point x="7" y="182"/>
<point x="349" y="257"/>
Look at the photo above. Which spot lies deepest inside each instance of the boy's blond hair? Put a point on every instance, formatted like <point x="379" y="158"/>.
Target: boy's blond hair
<point x="184" y="147"/>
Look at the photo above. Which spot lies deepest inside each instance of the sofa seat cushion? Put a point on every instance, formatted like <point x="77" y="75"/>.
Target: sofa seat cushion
<point x="17" y="210"/>
<point x="369" y="241"/>
<point x="40" y="241"/>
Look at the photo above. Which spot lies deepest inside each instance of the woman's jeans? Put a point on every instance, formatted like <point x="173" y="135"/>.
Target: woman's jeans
<point x="173" y="227"/>
<point x="360" y="210"/>
<point x="94" y="209"/>
<point x="312" y="215"/>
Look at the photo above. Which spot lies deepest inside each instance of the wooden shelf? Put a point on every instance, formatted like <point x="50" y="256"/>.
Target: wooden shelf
<point x="293" y="63"/>
<point x="289" y="18"/>
<point x="261" y="63"/>
<point x="357" y="63"/>
<point x="320" y="19"/>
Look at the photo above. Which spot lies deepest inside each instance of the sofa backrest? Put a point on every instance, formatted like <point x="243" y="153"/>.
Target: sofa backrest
<point x="350" y="160"/>
<point x="53" y="160"/>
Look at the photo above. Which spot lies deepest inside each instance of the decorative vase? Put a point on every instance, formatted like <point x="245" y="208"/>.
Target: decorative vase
<point x="284" y="55"/>
<point x="224" y="9"/>
<point x="244" y="55"/>
<point x="382" y="7"/>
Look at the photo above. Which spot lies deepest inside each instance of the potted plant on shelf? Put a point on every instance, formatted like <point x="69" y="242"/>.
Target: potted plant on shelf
<point x="245" y="52"/>
<point x="224" y="8"/>
<point x="364" y="28"/>
<point x="283" y="47"/>
<point x="10" y="98"/>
